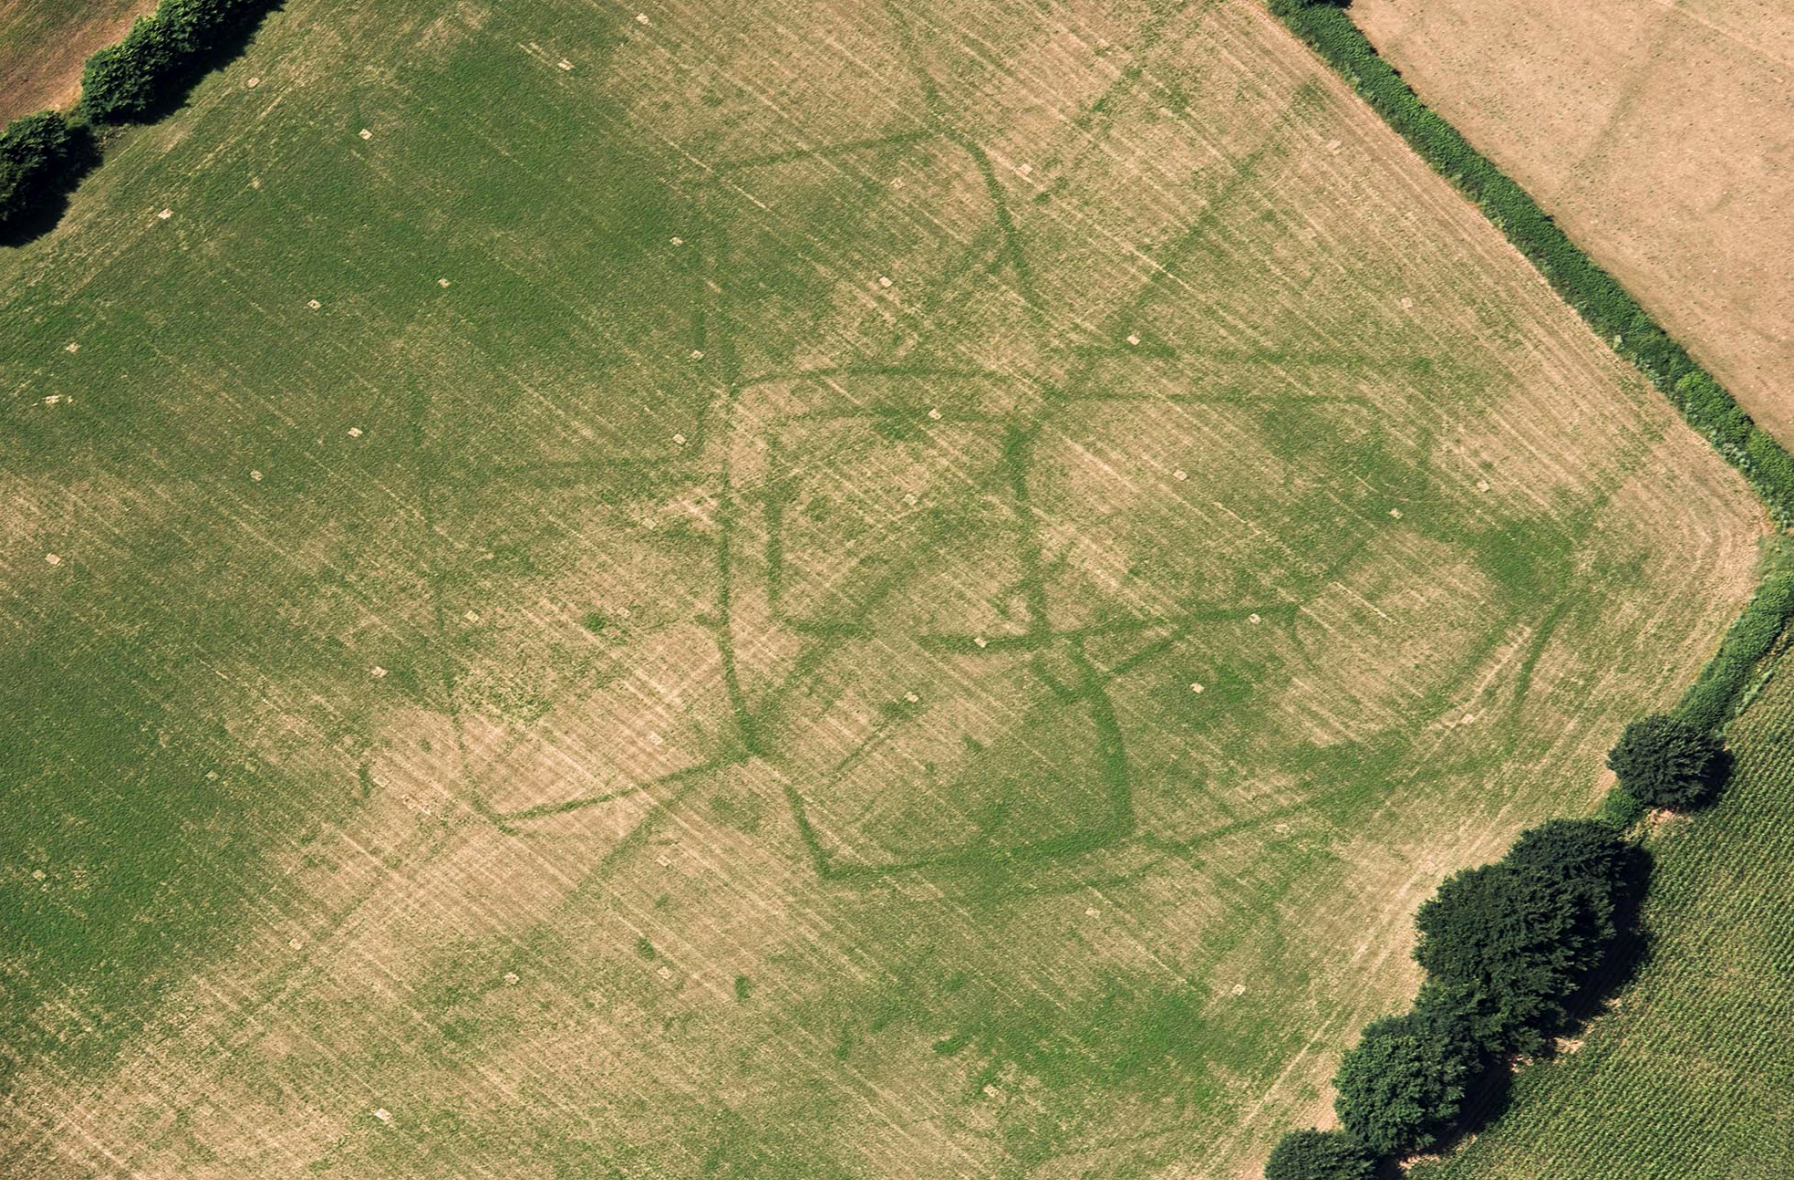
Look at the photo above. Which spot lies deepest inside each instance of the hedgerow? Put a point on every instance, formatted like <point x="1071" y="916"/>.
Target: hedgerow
<point x="1595" y="294"/>
<point x="161" y="56"/>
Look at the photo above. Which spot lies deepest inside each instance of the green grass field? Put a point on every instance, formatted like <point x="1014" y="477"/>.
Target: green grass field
<point x="905" y="591"/>
<point x="1689" y="1077"/>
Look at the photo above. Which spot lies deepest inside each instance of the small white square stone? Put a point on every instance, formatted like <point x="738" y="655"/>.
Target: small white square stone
<point x="1253" y="618"/>
<point x="379" y="672"/>
<point x="366" y="134"/>
<point x="1025" y="169"/>
<point x="979" y="640"/>
<point x="697" y="354"/>
<point x="680" y="439"/>
<point x="910" y="499"/>
<point x="1132" y="338"/>
<point x="313" y="304"/>
<point x="354" y="432"/>
<point x="1482" y="485"/>
<point x="663" y="862"/>
<point x="383" y="1115"/>
<point x="511" y="978"/>
<point x="1092" y="912"/>
<point x="1180" y="475"/>
<point x="641" y="18"/>
<point x="52" y="559"/>
<point x="471" y="616"/>
<point x="884" y="280"/>
<point x="73" y="347"/>
<point x="935" y="414"/>
<point x="254" y="82"/>
<point x="1195" y="687"/>
<point x="256" y="476"/>
<point x="165" y="215"/>
<point x="295" y="943"/>
<point x="678" y="241"/>
<point x="442" y="282"/>
<point x="911" y="697"/>
<point x="1395" y="513"/>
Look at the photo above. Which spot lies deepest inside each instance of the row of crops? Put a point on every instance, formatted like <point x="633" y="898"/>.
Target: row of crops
<point x="1691" y="1075"/>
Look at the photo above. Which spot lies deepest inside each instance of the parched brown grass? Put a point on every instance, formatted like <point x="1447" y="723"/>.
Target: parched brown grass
<point x="1658" y="136"/>
<point x="928" y="601"/>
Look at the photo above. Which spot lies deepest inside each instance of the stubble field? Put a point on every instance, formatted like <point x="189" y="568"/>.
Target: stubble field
<point x="861" y="591"/>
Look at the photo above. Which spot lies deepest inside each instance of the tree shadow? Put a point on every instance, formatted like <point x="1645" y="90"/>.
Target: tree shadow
<point x="1714" y="782"/>
<point x="51" y="200"/>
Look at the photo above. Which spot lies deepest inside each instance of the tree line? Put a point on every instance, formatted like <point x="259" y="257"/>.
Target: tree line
<point x="44" y="155"/>
<point x="1507" y="948"/>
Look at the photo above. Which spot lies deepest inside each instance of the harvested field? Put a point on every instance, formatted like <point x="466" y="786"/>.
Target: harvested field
<point x="926" y="601"/>
<point x="1657" y="134"/>
<point x="44" y="43"/>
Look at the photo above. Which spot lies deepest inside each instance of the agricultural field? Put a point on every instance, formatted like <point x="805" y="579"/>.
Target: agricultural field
<point x="1656" y="133"/>
<point x="730" y="590"/>
<point x="1689" y="1077"/>
<point x="44" y="42"/>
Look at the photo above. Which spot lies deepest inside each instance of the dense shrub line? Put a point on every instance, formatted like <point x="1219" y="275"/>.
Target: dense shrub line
<point x="43" y="156"/>
<point x="1724" y="685"/>
<point x="1594" y="293"/>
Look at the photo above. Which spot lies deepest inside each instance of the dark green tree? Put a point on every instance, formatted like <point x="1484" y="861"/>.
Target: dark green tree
<point x="161" y="56"/>
<point x="1404" y="1082"/>
<point x="1318" y="1155"/>
<point x="39" y="155"/>
<point x="1505" y="945"/>
<point x="1663" y="761"/>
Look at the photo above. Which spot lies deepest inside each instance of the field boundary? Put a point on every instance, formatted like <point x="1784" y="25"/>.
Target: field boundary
<point x="1595" y="295"/>
<point x="1736" y="673"/>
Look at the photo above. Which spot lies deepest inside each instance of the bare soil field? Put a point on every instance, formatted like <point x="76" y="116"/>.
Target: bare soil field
<point x="760" y="591"/>
<point x="44" y="43"/>
<point x="1660" y="135"/>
